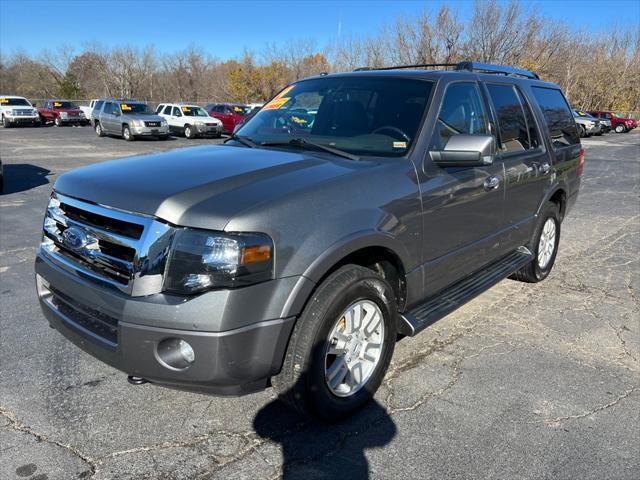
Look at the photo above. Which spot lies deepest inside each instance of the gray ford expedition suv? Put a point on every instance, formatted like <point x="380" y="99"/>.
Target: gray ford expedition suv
<point x="353" y="209"/>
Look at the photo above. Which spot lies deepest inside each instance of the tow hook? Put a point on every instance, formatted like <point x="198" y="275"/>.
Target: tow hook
<point x="136" y="380"/>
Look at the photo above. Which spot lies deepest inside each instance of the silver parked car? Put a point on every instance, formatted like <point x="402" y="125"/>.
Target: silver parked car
<point x="587" y="125"/>
<point x="129" y="119"/>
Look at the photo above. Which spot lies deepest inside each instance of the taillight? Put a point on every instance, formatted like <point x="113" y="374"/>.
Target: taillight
<point x="580" y="162"/>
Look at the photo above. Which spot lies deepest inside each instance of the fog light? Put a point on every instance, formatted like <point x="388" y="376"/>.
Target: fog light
<point x="175" y="353"/>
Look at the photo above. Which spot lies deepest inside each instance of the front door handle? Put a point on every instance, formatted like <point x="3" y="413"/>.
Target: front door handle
<point x="491" y="183"/>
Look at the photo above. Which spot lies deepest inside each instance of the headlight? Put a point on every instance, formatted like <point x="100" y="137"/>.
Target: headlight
<point x="34" y="112"/>
<point x="201" y="260"/>
<point x="163" y="122"/>
<point x="63" y="114"/>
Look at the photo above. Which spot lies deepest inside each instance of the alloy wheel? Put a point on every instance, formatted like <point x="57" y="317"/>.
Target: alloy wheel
<point x="547" y="243"/>
<point x="354" y="348"/>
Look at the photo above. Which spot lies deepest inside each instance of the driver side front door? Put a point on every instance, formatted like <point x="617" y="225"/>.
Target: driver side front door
<point x="463" y="207"/>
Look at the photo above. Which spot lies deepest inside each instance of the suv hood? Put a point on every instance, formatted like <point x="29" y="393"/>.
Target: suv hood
<point x="202" y="187"/>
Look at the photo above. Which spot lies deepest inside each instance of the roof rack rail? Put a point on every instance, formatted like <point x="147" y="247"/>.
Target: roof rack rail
<point x="501" y="69"/>
<point x="468" y="66"/>
<point x="397" y="67"/>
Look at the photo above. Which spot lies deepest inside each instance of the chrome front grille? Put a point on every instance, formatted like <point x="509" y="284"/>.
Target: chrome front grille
<point x="119" y="249"/>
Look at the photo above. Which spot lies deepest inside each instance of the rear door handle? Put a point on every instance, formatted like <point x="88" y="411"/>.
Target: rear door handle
<point x="491" y="183"/>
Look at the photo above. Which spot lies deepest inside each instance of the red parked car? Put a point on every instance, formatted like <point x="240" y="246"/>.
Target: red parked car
<point x="61" y="112"/>
<point x="619" y="124"/>
<point x="229" y="114"/>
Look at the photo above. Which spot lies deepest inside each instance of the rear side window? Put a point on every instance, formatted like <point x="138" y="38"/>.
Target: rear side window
<point x="176" y="112"/>
<point x="462" y="111"/>
<point x="556" y="111"/>
<point x="98" y="105"/>
<point x="515" y="122"/>
<point x="167" y="110"/>
<point x="108" y="108"/>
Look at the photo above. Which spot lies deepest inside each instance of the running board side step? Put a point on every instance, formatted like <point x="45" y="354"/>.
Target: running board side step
<point x="453" y="297"/>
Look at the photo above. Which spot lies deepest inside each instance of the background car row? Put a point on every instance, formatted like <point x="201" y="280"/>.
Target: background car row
<point x="128" y="118"/>
<point x="132" y="119"/>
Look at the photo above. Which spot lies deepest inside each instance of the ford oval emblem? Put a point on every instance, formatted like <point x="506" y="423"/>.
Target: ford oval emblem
<point x="75" y="238"/>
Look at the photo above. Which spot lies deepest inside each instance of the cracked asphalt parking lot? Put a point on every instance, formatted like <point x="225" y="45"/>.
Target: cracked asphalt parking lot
<point x="526" y="381"/>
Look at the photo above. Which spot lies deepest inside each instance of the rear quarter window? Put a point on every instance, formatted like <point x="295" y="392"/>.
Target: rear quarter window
<point x="558" y="117"/>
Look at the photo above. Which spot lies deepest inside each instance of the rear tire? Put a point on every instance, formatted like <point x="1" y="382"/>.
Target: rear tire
<point x="307" y="381"/>
<point x="126" y="134"/>
<point x="545" y="253"/>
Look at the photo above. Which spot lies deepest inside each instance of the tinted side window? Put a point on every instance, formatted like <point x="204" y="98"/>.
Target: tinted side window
<point x="167" y="110"/>
<point x="512" y="125"/>
<point x="462" y="111"/>
<point x="108" y="108"/>
<point x="98" y="105"/>
<point x="560" y="122"/>
<point x="534" y="137"/>
<point x="176" y="112"/>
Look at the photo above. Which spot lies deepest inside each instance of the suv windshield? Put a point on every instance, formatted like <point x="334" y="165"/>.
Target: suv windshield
<point x="59" y="104"/>
<point x="361" y="115"/>
<point x="580" y="113"/>
<point x="193" y="111"/>
<point x="135" y="108"/>
<point x="14" y="102"/>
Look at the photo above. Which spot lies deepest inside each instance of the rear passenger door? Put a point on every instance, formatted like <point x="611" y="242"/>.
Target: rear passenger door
<point x="463" y="206"/>
<point x="526" y="161"/>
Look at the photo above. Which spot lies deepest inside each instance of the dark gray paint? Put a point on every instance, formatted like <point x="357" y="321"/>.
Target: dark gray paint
<point x="441" y="223"/>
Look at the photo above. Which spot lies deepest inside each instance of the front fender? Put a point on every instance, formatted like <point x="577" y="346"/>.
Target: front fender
<point x="332" y="256"/>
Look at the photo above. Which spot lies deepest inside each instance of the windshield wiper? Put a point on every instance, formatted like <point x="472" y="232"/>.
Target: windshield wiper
<point x="301" y="142"/>
<point x="246" y="141"/>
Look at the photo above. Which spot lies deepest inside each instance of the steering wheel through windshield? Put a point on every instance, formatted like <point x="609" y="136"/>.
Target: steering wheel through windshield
<point x="392" y="129"/>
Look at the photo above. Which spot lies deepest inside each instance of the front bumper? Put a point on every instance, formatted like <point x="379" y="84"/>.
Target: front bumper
<point x="73" y="120"/>
<point x="205" y="130"/>
<point x="22" y="120"/>
<point x="150" y="131"/>
<point x="111" y="326"/>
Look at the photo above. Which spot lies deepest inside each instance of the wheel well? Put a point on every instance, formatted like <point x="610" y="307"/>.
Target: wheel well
<point x="382" y="261"/>
<point x="560" y="199"/>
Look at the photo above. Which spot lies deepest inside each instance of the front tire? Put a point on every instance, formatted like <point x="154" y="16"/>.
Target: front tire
<point x="188" y="131"/>
<point x="57" y="122"/>
<point x="126" y="134"/>
<point x="99" y="130"/>
<point x="5" y="123"/>
<point x="621" y="128"/>
<point x="341" y="345"/>
<point x="583" y="132"/>
<point x="546" y="240"/>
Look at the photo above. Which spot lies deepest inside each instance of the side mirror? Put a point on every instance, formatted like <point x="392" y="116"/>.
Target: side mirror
<point x="465" y="150"/>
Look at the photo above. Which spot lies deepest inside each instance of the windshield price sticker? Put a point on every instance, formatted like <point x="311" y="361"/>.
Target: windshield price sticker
<point x="4" y="100"/>
<point x="399" y="144"/>
<point x="299" y="120"/>
<point x="237" y="109"/>
<point x="57" y="104"/>
<point x="124" y="106"/>
<point x="185" y="109"/>
<point x="279" y="100"/>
